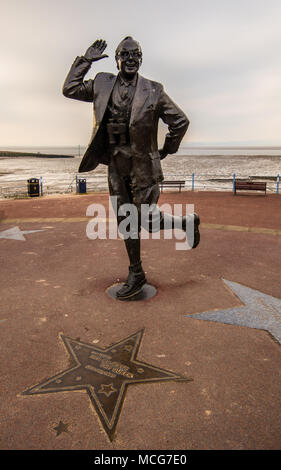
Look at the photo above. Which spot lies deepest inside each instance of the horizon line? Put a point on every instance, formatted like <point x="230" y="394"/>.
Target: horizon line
<point x="185" y="145"/>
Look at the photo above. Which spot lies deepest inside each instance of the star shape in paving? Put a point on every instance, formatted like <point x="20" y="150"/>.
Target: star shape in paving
<point x="16" y="233"/>
<point x="61" y="427"/>
<point x="105" y="374"/>
<point x="259" y="311"/>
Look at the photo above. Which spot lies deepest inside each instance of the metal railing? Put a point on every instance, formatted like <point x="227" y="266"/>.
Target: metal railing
<point x="193" y="182"/>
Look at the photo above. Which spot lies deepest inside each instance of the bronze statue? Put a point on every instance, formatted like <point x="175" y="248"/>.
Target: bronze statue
<point x="127" y="108"/>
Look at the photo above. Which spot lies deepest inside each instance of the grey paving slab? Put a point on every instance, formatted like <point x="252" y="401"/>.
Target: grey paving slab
<point x="15" y="233"/>
<point x="259" y="311"/>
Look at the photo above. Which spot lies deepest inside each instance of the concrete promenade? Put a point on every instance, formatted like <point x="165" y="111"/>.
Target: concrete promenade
<point x="53" y="282"/>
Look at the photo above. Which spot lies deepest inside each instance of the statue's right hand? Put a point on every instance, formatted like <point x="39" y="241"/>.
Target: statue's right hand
<point x="95" y="51"/>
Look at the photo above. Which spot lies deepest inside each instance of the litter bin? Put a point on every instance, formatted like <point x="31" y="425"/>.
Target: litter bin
<point x="82" y="186"/>
<point x="33" y="188"/>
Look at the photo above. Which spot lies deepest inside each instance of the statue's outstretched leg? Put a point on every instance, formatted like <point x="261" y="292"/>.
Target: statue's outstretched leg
<point x="188" y="223"/>
<point x="157" y="220"/>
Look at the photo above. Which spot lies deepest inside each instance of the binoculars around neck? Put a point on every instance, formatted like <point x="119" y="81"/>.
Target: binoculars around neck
<point x="117" y="131"/>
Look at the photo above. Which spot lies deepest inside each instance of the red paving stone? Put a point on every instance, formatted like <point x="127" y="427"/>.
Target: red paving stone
<point x="54" y="283"/>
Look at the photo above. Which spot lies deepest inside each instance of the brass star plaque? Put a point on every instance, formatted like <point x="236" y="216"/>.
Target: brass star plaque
<point x="105" y="374"/>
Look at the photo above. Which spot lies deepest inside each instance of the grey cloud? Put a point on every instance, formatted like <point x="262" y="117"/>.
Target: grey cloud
<point x="216" y="59"/>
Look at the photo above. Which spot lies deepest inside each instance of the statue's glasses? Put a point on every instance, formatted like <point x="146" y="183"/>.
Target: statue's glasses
<point x="126" y="54"/>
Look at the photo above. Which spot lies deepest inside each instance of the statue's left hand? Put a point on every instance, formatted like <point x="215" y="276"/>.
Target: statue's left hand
<point x="162" y="154"/>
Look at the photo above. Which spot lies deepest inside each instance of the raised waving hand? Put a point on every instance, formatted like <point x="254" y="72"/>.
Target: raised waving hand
<point x="95" y="51"/>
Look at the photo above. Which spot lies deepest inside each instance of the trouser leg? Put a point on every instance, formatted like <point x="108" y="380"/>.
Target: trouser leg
<point x="150" y="216"/>
<point x="171" y="221"/>
<point x="132" y="242"/>
<point x="133" y="251"/>
<point x="157" y="220"/>
<point x="136" y="278"/>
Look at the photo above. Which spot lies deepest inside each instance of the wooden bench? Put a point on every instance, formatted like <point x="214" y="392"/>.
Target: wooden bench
<point x="249" y="186"/>
<point x="172" y="184"/>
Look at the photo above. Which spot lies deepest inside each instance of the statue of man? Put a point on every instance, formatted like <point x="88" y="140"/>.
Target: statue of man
<point x="127" y="108"/>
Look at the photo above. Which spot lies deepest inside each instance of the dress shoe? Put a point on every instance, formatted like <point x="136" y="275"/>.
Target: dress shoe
<point x="133" y="285"/>
<point x="190" y="224"/>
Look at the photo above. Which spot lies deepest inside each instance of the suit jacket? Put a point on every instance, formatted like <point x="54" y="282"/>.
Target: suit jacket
<point x="150" y="104"/>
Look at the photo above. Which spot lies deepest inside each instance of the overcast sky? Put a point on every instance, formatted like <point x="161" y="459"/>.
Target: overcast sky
<point x="219" y="60"/>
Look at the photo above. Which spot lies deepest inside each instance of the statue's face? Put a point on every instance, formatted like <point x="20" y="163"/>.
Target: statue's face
<point x="129" y="58"/>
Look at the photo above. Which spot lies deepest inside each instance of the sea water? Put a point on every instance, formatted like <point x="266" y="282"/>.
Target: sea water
<point x="212" y="168"/>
